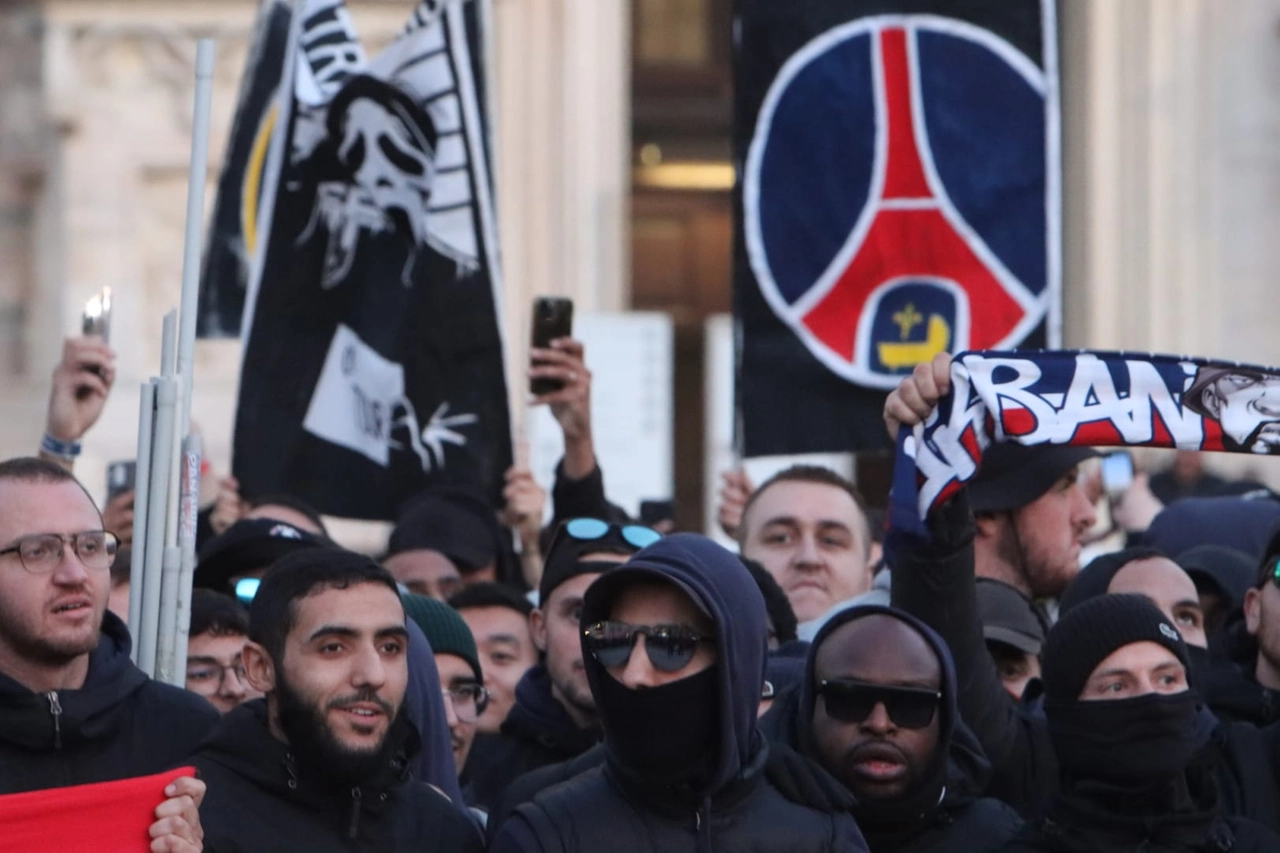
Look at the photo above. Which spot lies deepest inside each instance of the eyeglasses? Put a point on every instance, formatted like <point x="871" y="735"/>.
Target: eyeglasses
<point x="42" y="552"/>
<point x="669" y="647"/>
<point x="590" y="529"/>
<point x="852" y="701"/>
<point x="209" y="678"/>
<point x="469" y="701"/>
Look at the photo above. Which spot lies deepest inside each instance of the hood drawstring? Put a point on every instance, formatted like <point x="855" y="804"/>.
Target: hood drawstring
<point x="55" y="709"/>
<point x="702" y="824"/>
<point x="353" y="829"/>
<point x="291" y="769"/>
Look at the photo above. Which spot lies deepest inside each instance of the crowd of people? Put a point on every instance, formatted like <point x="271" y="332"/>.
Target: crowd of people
<point x="494" y="681"/>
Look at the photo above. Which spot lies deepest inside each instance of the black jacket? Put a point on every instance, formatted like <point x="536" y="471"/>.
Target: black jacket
<point x="741" y="806"/>
<point x="257" y="802"/>
<point x="1179" y="817"/>
<point x="934" y="581"/>
<point x="118" y="725"/>
<point x="538" y="732"/>
<point x="948" y="812"/>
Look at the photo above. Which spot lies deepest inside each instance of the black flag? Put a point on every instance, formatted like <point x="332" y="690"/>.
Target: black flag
<point x="373" y="357"/>
<point x="232" y="234"/>
<point x="898" y="196"/>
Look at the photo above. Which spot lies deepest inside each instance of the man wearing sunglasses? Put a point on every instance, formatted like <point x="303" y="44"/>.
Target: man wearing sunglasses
<point x="73" y="707"/>
<point x="1262" y="621"/>
<point x="675" y="645"/>
<point x="877" y="709"/>
<point x="554" y="718"/>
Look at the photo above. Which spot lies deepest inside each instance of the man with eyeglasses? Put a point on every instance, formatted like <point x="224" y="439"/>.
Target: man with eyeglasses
<point x="215" y="666"/>
<point x="458" y="663"/>
<point x="877" y="708"/>
<point x="73" y="707"/>
<point x="554" y="718"/>
<point x="322" y="762"/>
<point x="675" y="646"/>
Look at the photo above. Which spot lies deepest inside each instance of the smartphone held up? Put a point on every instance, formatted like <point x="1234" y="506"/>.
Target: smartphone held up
<point x="96" y="319"/>
<point x="552" y="319"/>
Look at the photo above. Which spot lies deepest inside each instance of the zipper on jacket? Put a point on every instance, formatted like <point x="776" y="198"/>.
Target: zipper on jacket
<point x="353" y="829"/>
<point x="55" y="709"/>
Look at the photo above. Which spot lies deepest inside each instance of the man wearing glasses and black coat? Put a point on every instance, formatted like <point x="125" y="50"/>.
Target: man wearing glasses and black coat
<point x="674" y="644"/>
<point x="877" y="708"/>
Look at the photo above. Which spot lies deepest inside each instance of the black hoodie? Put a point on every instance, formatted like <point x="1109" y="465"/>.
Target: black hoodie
<point x="538" y="732"/>
<point x="946" y="812"/>
<point x="257" y="800"/>
<point x="934" y="581"/>
<point x="736" y="805"/>
<point x="120" y="724"/>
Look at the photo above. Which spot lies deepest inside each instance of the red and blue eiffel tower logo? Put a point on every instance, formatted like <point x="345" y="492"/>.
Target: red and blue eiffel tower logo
<point x="899" y="198"/>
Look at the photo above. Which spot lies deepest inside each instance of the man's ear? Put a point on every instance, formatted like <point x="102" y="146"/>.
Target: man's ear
<point x="259" y="668"/>
<point x="1253" y="611"/>
<point x="988" y="524"/>
<point x="538" y="629"/>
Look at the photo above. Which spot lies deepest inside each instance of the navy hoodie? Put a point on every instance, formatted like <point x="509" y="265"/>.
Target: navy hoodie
<point x="946" y="812"/>
<point x="738" y="808"/>
<point x="120" y="724"/>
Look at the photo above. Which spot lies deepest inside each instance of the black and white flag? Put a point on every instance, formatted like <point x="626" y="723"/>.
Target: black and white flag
<point x="373" y="353"/>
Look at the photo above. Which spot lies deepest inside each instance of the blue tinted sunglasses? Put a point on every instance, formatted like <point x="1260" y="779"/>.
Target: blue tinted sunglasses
<point x="590" y="529"/>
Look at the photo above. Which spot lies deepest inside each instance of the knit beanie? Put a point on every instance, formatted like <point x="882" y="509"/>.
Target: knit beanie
<point x="1095" y="579"/>
<point x="445" y="629"/>
<point x="1094" y="629"/>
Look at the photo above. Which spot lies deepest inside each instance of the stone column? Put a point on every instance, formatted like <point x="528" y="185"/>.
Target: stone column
<point x="562" y="111"/>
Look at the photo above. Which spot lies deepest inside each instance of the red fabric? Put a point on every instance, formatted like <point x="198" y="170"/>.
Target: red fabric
<point x="107" y="817"/>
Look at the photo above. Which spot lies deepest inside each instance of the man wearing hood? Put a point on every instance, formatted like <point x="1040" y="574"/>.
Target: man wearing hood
<point x="554" y="717"/>
<point x="877" y="709"/>
<point x="322" y="762"/>
<point x="1127" y="726"/>
<point x="675" y="644"/>
<point x="73" y="708"/>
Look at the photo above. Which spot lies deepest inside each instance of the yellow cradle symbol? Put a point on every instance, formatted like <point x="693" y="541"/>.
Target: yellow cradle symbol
<point x="900" y="355"/>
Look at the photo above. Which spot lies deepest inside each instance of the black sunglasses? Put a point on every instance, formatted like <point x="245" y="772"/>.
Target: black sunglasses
<point x="852" y="701"/>
<point x="670" y="647"/>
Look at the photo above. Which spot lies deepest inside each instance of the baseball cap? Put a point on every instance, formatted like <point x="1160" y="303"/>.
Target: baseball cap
<point x="247" y="546"/>
<point x="1007" y="617"/>
<point x="453" y="524"/>
<point x="1013" y="475"/>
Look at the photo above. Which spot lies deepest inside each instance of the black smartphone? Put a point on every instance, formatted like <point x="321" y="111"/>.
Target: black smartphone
<point x="552" y="318"/>
<point x="121" y="477"/>
<point x="656" y="512"/>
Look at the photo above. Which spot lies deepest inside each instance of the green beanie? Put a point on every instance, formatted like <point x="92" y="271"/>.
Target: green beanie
<point x="445" y="629"/>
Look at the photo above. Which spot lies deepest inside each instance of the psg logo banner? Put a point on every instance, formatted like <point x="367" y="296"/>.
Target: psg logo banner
<point x="898" y="196"/>
<point x="373" y="363"/>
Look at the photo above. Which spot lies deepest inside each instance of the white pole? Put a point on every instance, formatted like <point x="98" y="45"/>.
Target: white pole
<point x="194" y="246"/>
<point x="166" y="392"/>
<point x="141" y="495"/>
<point x="176" y="602"/>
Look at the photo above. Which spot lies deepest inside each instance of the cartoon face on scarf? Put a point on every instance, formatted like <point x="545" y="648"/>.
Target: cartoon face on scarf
<point x="1247" y="405"/>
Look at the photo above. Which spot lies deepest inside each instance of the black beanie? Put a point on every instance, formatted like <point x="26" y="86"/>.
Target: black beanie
<point x="1094" y="579"/>
<point x="1094" y="629"/>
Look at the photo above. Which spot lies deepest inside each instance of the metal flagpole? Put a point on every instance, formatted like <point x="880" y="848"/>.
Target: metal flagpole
<point x="141" y="505"/>
<point x="175" y="623"/>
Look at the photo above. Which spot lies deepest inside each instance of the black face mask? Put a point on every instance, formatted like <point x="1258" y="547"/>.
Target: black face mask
<point x="1126" y="742"/>
<point x="668" y="735"/>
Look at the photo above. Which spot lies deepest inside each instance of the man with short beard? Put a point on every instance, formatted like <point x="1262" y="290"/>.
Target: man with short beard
<point x="321" y="763"/>
<point x="73" y="708"/>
